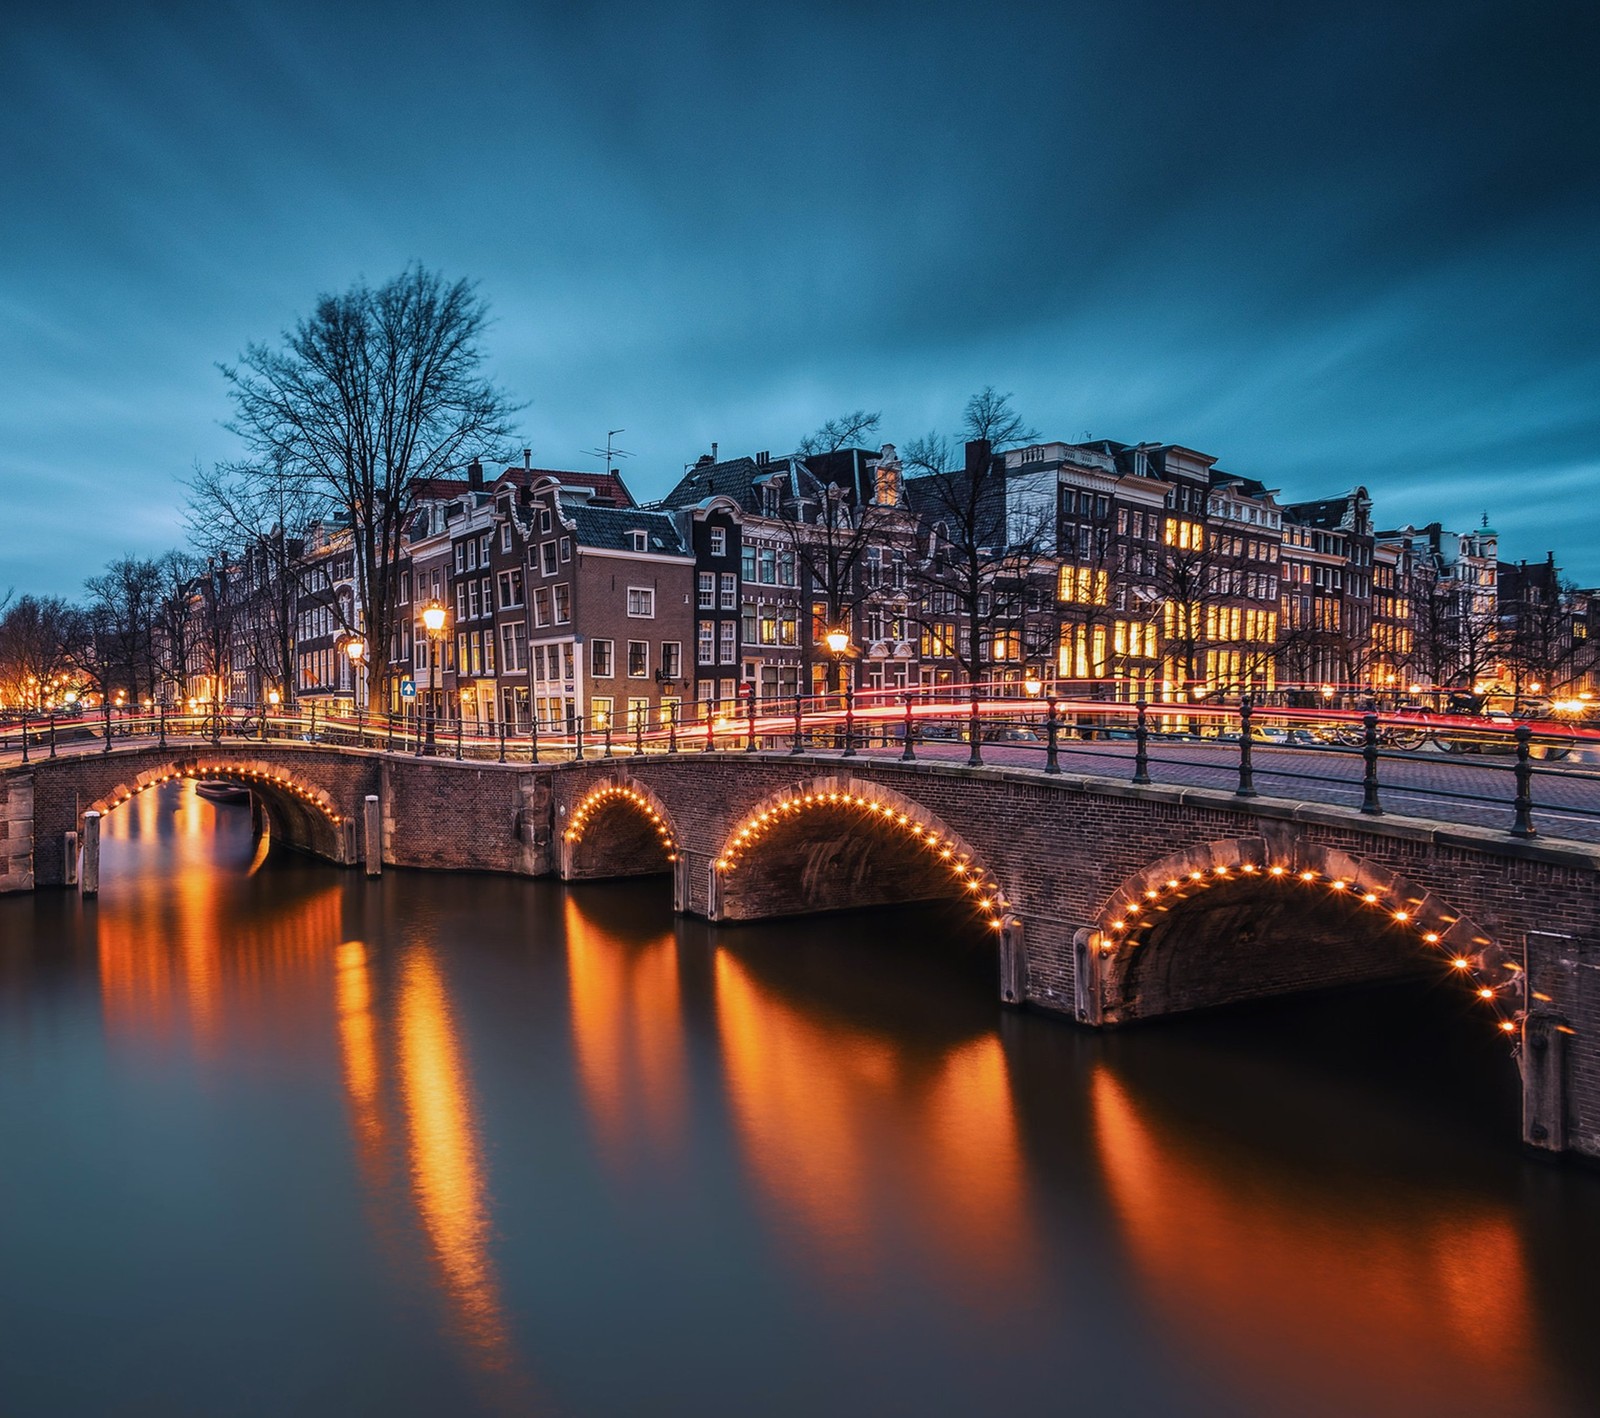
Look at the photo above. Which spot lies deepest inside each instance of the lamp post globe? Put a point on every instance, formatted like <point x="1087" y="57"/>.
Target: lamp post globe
<point x="433" y="617"/>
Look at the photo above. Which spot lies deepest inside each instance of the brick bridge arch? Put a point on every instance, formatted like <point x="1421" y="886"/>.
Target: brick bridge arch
<point x="831" y="843"/>
<point x="297" y="812"/>
<point x="619" y="827"/>
<point x="1240" y="918"/>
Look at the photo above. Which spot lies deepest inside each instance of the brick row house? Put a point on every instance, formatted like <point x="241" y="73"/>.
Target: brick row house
<point x="1148" y="572"/>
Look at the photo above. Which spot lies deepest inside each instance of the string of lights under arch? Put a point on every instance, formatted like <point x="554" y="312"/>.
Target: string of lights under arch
<point x="627" y="794"/>
<point x="262" y="777"/>
<point x="882" y="808"/>
<point x="1469" y="952"/>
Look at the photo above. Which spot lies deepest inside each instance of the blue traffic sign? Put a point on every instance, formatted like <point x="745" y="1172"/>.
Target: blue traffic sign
<point x="408" y="689"/>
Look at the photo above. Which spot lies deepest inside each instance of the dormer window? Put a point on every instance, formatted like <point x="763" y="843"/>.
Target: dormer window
<point x="640" y="540"/>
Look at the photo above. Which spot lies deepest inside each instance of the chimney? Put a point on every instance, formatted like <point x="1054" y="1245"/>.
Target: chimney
<point x="713" y="452"/>
<point x="979" y="451"/>
<point x="527" y="458"/>
<point x="475" y="475"/>
<point x="763" y="458"/>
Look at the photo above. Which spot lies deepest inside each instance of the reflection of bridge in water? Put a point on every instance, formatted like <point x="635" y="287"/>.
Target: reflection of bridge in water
<point x="1109" y="901"/>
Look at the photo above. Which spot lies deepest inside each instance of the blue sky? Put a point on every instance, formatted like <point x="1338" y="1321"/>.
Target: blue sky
<point x="1328" y="243"/>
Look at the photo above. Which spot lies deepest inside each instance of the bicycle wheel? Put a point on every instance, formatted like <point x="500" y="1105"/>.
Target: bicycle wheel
<point x="1408" y="738"/>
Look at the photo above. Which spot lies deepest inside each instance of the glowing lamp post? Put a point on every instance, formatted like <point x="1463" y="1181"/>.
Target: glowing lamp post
<point x="837" y="640"/>
<point x="356" y="649"/>
<point x="433" y="615"/>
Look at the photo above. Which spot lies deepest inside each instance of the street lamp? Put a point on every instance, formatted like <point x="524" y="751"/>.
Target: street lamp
<point x="356" y="648"/>
<point x="837" y="640"/>
<point x="1032" y="684"/>
<point x="433" y="615"/>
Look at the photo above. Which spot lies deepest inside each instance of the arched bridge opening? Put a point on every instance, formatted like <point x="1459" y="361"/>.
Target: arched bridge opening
<point x="1233" y="921"/>
<point x="293" y="813"/>
<point x="618" y="828"/>
<point x="832" y="846"/>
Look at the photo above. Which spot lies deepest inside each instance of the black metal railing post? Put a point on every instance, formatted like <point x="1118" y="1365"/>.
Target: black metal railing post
<point x="1247" y="776"/>
<point x="711" y="726"/>
<point x="974" y="736"/>
<point x="798" y="720"/>
<point x="502" y="740"/>
<point x="460" y="724"/>
<point x="161" y="719"/>
<point x="849" y="720"/>
<point x="1052" y="737"/>
<point x="52" y="733"/>
<point x="672" y="728"/>
<point x="1141" y="741"/>
<point x="1522" y="821"/>
<point x="606" y="729"/>
<point x="577" y="738"/>
<point x="1369" y="773"/>
<point x="750" y="721"/>
<point x="909" y="753"/>
<point x="24" y="735"/>
<point x="533" y="731"/>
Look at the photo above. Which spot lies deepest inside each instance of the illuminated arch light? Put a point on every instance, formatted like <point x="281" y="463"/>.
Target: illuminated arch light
<point x="601" y="798"/>
<point x="1123" y="927"/>
<point x="121" y="794"/>
<point x="943" y="851"/>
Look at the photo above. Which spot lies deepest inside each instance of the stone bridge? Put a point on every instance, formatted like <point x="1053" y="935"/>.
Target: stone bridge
<point x="1108" y="902"/>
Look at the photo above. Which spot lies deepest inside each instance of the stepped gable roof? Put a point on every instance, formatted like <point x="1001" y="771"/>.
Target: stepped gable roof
<point x="611" y="528"/>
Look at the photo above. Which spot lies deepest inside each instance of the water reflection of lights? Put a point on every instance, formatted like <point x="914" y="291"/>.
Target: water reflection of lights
<point x="446" y="1168"/>
<point x="853" y="1140"/>
<point x="627" y="1029"/>
<point x="174" y="956"/>
<point x="1424" y="1301"/>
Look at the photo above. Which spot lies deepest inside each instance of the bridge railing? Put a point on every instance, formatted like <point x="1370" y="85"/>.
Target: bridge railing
<point x="1485" y="769"/>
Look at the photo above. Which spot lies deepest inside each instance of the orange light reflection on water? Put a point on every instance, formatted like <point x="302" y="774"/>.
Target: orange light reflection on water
<point x="176" y="960"/>
<point x="1422" y="1305"/>
<point x="856" y="1141"/>
<point x="446" y="1168"/>
<point x="627" y="1029"/>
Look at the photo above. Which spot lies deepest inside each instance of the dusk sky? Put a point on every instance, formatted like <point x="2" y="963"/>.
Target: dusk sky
<point x="1328" y="243"/>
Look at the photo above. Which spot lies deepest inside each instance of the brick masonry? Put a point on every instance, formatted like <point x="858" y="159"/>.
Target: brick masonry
<point x="1060" y="861"/>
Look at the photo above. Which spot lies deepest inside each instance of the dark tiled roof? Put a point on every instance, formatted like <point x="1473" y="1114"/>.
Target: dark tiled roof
<point x="737" y="478"/>
<point x="609" y="529"/>
<point x="608" y="488"/>
<point x="734" y="479"/>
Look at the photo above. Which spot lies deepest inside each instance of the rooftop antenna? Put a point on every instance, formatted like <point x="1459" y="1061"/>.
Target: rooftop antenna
<point x="609" y="452"/>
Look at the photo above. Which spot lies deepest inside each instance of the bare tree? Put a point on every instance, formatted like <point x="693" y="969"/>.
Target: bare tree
<point x="258" y="514"/>
<point x="362" y="405"/>
<point x="981" y="545"/>
<point x="1536" y="641"/>
<point x="122" y="608"/>
<point x="36" y="638"/>
<point x="830" y="519"/>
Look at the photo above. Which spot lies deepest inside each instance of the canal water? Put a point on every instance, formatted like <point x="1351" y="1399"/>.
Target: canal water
<point x="276" y="1140"/>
